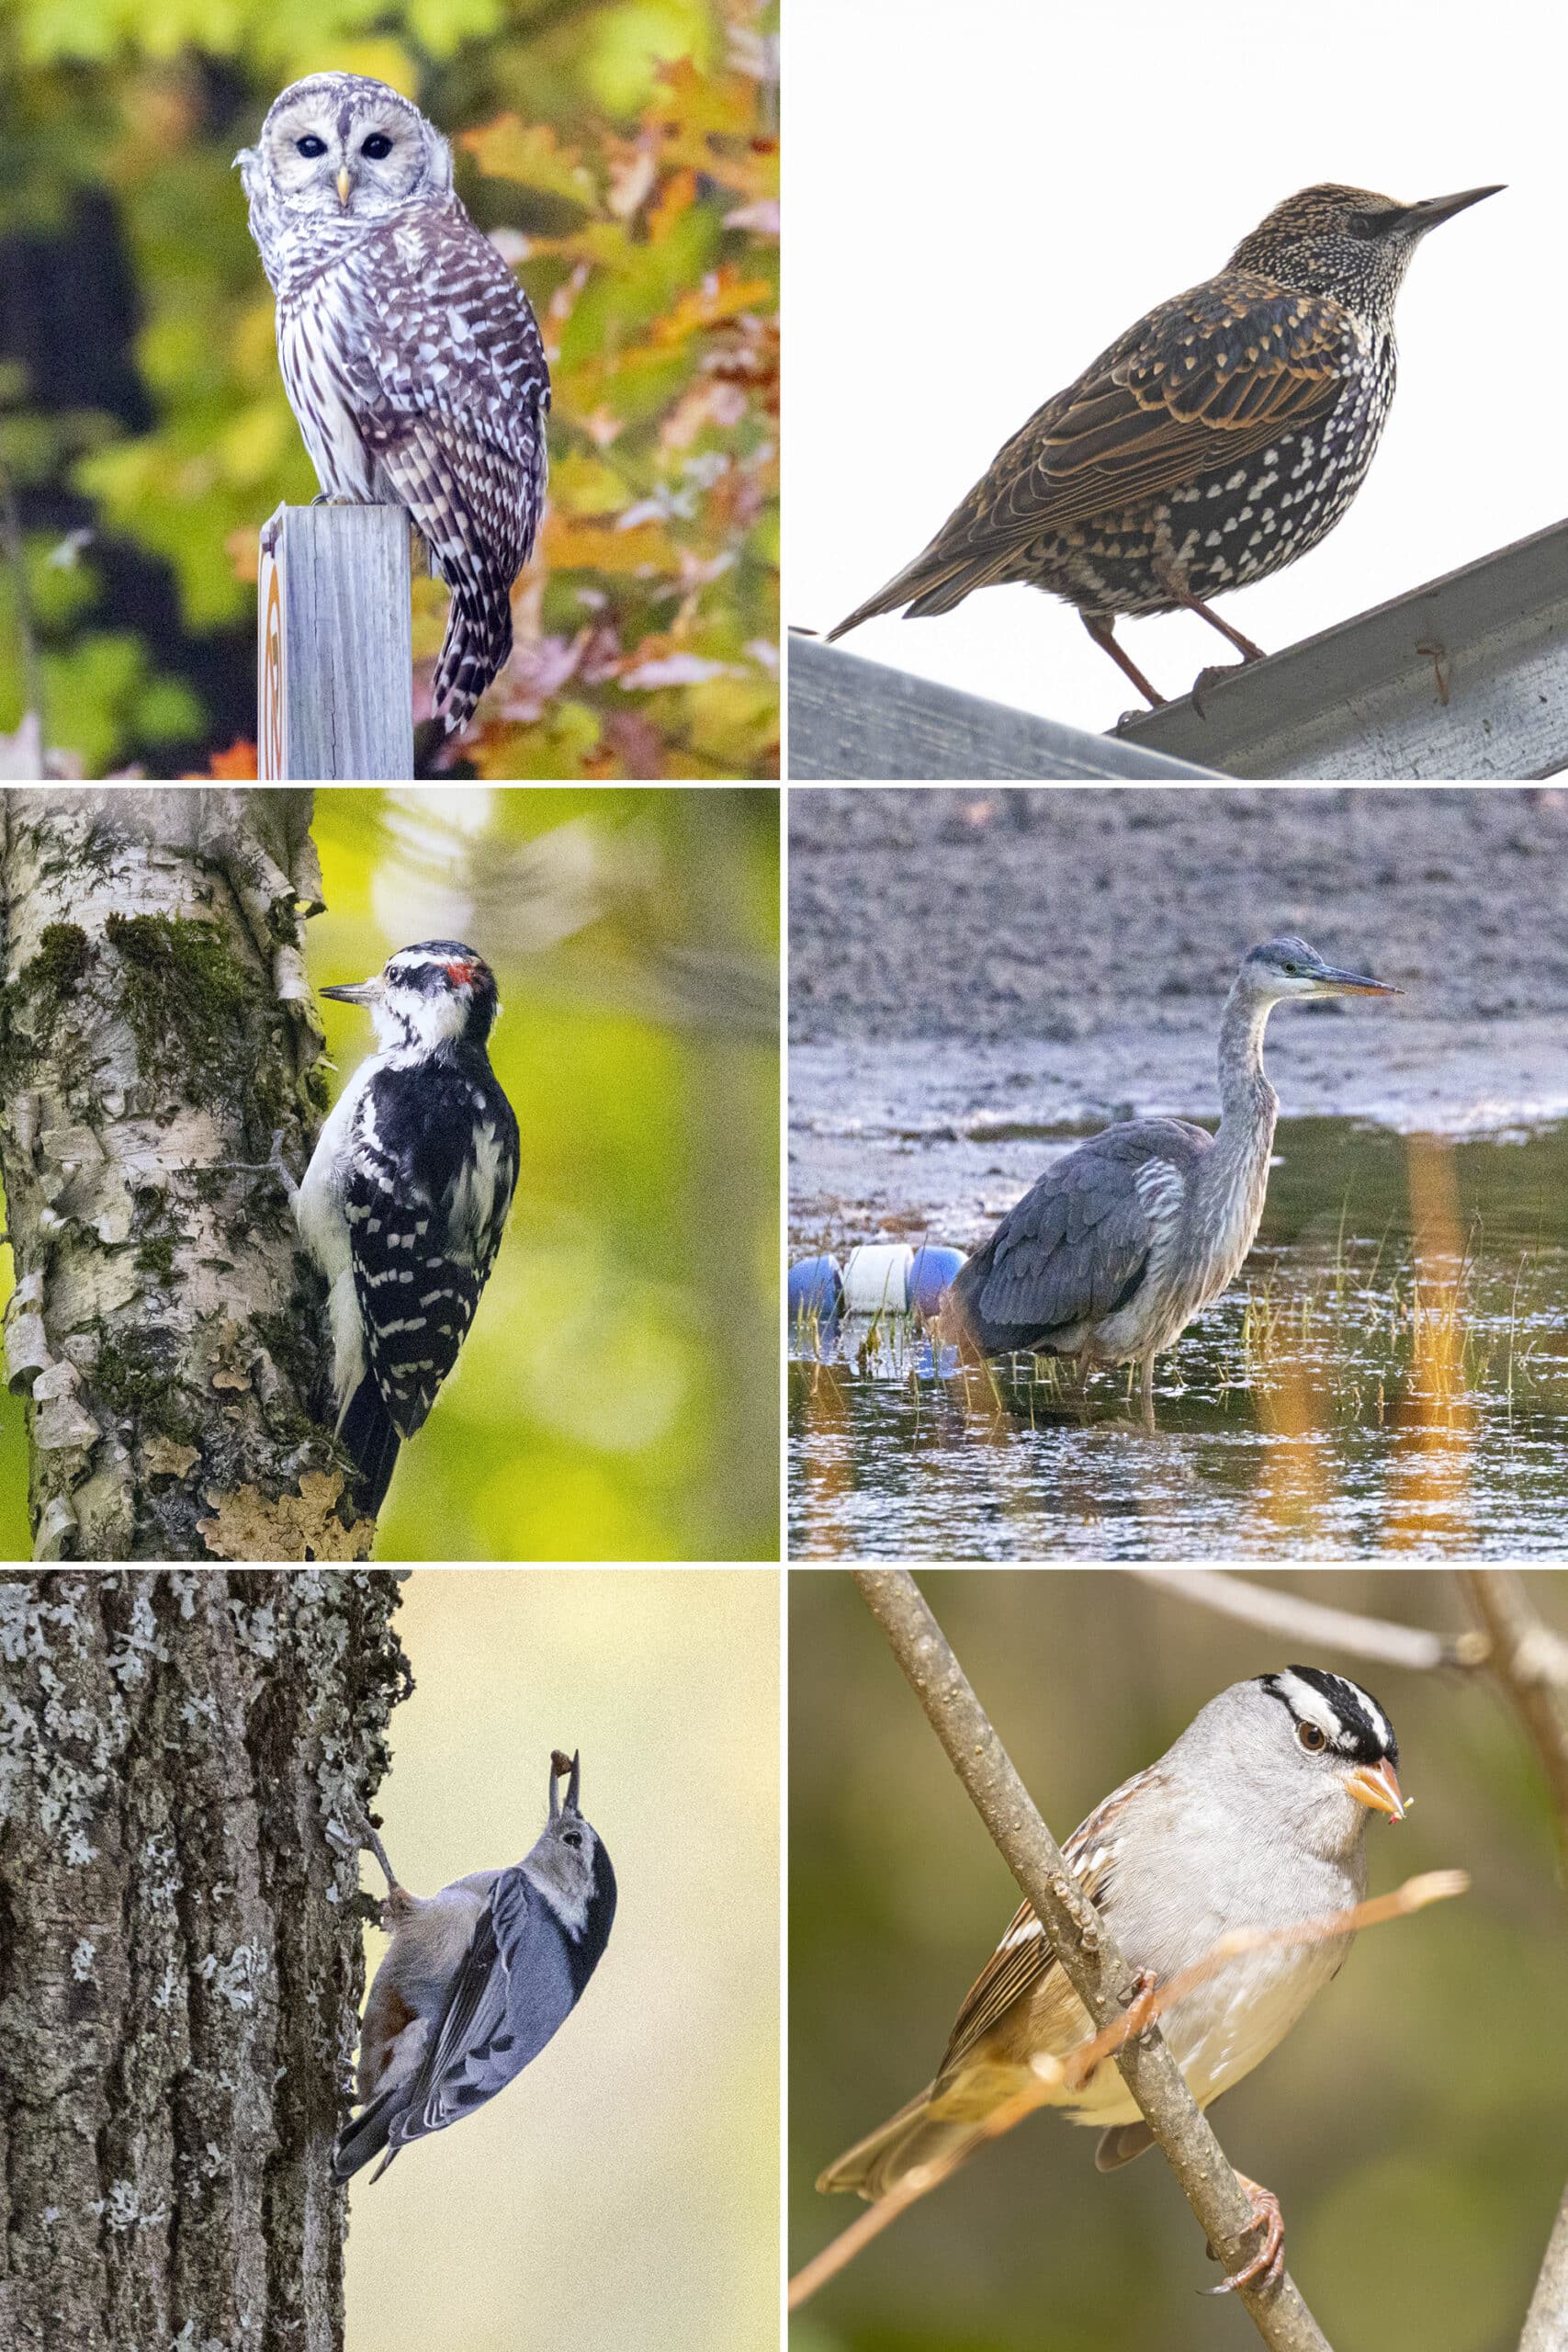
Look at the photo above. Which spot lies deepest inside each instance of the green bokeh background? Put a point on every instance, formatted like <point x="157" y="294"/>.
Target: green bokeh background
<point x="1414" y="2124"/>
<point x="623" y="2193"/>
<point x="617" y="1398"/>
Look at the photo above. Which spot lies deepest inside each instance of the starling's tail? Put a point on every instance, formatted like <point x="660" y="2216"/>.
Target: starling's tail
<point x="934" y="583"/>
<point x="368" y="1430"/>
<point x="914" y="2136"/>
<point x="366" y="2135"/>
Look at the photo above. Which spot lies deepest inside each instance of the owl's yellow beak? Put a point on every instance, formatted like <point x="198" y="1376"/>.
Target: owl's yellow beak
<point x="344" y="184"/>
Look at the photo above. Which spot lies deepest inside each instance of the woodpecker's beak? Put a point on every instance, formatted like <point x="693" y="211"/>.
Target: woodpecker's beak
<point x="560" y="1766"/>
<point x="1377" y="1787"/>
<point x="1419" y="218"/>
<point x="1331" y="979"/>
<point x="359" y="991"/>
<point x="344" y="184"/>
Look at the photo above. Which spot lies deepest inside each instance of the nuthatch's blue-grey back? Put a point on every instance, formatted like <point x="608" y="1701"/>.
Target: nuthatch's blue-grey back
<point x="475" y="1980"/>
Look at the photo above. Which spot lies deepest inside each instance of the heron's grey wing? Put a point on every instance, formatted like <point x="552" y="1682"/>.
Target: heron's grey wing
<point x="511" y="1994"/>
<point x="1075" y="1247"/>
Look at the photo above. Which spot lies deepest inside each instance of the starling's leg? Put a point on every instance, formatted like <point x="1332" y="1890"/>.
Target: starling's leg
<point x="1269" y="2260"/>
<point x="1244" y="645"/>
<point x="1104" y="635"/>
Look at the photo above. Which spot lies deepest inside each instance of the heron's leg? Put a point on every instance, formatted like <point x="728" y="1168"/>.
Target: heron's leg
<point x="1244" y="645"/>
<point x="1104" y="637"/>
<point x="1148" y="1392"/>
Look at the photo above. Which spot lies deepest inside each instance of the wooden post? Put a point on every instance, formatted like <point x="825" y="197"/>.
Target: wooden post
<point x="335" y="646"/>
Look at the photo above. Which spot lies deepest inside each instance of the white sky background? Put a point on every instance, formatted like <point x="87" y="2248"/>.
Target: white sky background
<point x="981" y="197"/>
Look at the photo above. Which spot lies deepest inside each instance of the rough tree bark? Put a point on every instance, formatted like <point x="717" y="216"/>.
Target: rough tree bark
<point x="184" y="1759"/>
<point x="156" y="1030"/>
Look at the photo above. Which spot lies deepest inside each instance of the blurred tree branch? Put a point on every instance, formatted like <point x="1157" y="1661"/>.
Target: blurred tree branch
<point x="1095" y="1967"/>
<point x="1530" y="1662"/>
<point x="1342" y="1629"/>
<point x="1546" y="2322"/>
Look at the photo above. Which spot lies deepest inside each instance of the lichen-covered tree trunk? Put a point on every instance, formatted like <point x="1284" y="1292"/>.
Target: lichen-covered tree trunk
<point x="186" y="1756"/>
<point x="156" y="1031"/>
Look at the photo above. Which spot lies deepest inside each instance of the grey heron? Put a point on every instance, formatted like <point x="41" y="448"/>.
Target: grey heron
<point x="1122" y="1242"/>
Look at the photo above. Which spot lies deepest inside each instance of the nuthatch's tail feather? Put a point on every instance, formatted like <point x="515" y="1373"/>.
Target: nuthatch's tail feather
<point x="912" y="2137"/>
<point x="366" y="2135"/>
<point x="368" y="1430"/>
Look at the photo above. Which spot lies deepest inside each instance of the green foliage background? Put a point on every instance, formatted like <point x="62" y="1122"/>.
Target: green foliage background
<point x="1412" y="2125"/>
<point x="617" y="1398"/>
<point x="627" y="152"/>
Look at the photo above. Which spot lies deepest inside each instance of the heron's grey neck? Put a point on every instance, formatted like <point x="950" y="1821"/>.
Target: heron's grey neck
<point x="1248" y="1104"/>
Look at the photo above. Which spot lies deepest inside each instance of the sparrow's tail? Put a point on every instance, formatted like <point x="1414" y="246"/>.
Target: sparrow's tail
<point x="914" y="2136"/>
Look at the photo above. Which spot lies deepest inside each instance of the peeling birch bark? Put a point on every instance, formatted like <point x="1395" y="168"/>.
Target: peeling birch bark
<point x="185" y="1761"/>
<point x="156" y="1029"/>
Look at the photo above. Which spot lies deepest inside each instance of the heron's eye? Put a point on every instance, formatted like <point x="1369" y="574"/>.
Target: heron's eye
<point x="377" y="146"/>
<point x="1312" y="1738"/>
<point x="571" y="1836"/>
<point x="310" y="145"/>
<point x="1361" y="224"/>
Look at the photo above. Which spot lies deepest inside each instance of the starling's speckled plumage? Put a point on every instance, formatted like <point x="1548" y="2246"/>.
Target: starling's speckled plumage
<point x="1216" y="441"/>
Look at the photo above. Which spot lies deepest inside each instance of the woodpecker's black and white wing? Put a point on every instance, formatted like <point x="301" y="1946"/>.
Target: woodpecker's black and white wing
<point x="521" y="1978"/>
<point x="428" y="1182"/>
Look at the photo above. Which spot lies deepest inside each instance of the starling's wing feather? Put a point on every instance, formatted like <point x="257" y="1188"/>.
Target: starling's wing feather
<point x="511" y="1993"/>
<point x="1076" y="1247"/>
<point x="1207" y="379"/>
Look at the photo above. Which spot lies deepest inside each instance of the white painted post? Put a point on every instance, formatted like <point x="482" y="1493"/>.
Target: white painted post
<point x="335" y="646"/>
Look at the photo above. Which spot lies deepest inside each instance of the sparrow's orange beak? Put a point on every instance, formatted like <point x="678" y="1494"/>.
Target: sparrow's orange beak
<point x="1377" y="1786"/>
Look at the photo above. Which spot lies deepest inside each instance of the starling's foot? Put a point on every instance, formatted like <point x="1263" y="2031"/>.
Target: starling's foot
<point x="1267" y="2264"/>
<point x="1211" y="677"/>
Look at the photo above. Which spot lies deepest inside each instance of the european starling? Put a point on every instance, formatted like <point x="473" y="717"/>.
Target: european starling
<point x="1216" y="441"/>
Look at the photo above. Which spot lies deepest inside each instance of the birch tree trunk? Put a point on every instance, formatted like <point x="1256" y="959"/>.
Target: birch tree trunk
<point x="184" y="1758"/>
<point x="156" y="1030"/>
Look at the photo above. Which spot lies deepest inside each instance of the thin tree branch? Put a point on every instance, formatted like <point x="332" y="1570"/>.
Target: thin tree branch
<point x="1342" y="1629"/>
<point x="1530" y="1662"/>
<point x="1546" y="2322"/>
<point x="1096" y="1969"/>
<point x="1074" y="2071"/>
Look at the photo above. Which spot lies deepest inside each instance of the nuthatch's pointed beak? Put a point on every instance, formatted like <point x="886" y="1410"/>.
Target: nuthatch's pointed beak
<point x="1377" y="1787"/>
<point x="359" y="991"/>
<point x="344" y="184"/>
<point x="574" y="1784"/>
<point x="560" y="1766"/>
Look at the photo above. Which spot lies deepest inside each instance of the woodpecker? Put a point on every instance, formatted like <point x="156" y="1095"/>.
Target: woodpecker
<point x="475" y="1980"/>
<point x="407" y="1192"/>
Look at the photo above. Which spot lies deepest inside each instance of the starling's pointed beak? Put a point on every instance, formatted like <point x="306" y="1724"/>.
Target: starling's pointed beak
<point x="1377" y="1787"/>
<point x="1436" y="208"/>
<point x="344" y="184"/>
<point x="1330" y="979"/>
<point x="359" y="991"/>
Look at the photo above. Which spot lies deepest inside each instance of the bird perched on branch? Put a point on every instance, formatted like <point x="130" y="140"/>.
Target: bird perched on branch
<point x="410" y="354"/>
<point x="475" y="1980"/>
<point x="1210" y="445"/>
<point x="407" y="1192"/>
<point x="1255" y="1818"/>
<point x="1122" y="1242"/>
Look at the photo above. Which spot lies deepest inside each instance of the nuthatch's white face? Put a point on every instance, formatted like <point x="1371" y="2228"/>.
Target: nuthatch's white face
<point x="566" y="1856"/>
<point x="340" y="146"/>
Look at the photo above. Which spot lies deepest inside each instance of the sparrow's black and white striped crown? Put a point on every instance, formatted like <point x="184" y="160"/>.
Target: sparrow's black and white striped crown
<point x="1349" y="1718"/>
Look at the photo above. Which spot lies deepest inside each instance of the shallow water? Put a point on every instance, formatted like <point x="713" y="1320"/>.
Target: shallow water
<point x="1390" y="1374"/>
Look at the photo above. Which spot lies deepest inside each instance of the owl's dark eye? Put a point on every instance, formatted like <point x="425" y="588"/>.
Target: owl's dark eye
<point x="377" y="146"/>
<point x="310" y="145"/>
<point x="1311" y="1737"/>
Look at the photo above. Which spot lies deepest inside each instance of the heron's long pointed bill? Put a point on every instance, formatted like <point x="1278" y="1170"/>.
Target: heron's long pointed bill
<point x="359" y="991"/>
<point x="1350" y="983"/>
<point x="1438" y="209"/>
<point x="1377" y="1787"/>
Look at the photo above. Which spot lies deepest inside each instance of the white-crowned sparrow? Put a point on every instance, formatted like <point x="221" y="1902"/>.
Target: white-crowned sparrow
<point x="1256" y="1819"/>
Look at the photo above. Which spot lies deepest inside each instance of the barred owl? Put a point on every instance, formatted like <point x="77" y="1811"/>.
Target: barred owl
<point x="410" y="356"/>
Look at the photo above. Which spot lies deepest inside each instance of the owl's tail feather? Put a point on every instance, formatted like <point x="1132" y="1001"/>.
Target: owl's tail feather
<point x="914" y="2136"/>
<point x="474" y="650"/>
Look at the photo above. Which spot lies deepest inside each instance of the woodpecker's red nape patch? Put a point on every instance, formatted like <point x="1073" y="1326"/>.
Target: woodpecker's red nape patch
<point x="461" y="974"/>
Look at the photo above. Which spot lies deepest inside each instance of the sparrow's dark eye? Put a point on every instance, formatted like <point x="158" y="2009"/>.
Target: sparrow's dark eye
<point x="1311" y="1737"/>
<point x="310" y="145"/>
<point x="571" y="1836"/>
<point x="377" y="146"/>
<point x="1362" y="224"/>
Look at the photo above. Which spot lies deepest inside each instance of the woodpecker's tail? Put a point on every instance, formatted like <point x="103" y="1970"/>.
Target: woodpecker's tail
<point x="914" y="2136"/>
<point x="366" y="2134"/>
<point x="368" y="1430"/>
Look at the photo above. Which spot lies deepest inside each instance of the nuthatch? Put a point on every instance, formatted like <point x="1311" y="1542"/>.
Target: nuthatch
<point x="475" y="1980"/>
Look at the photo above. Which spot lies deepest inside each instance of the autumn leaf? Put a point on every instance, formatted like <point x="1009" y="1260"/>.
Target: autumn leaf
<point x="530" y="154"/>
